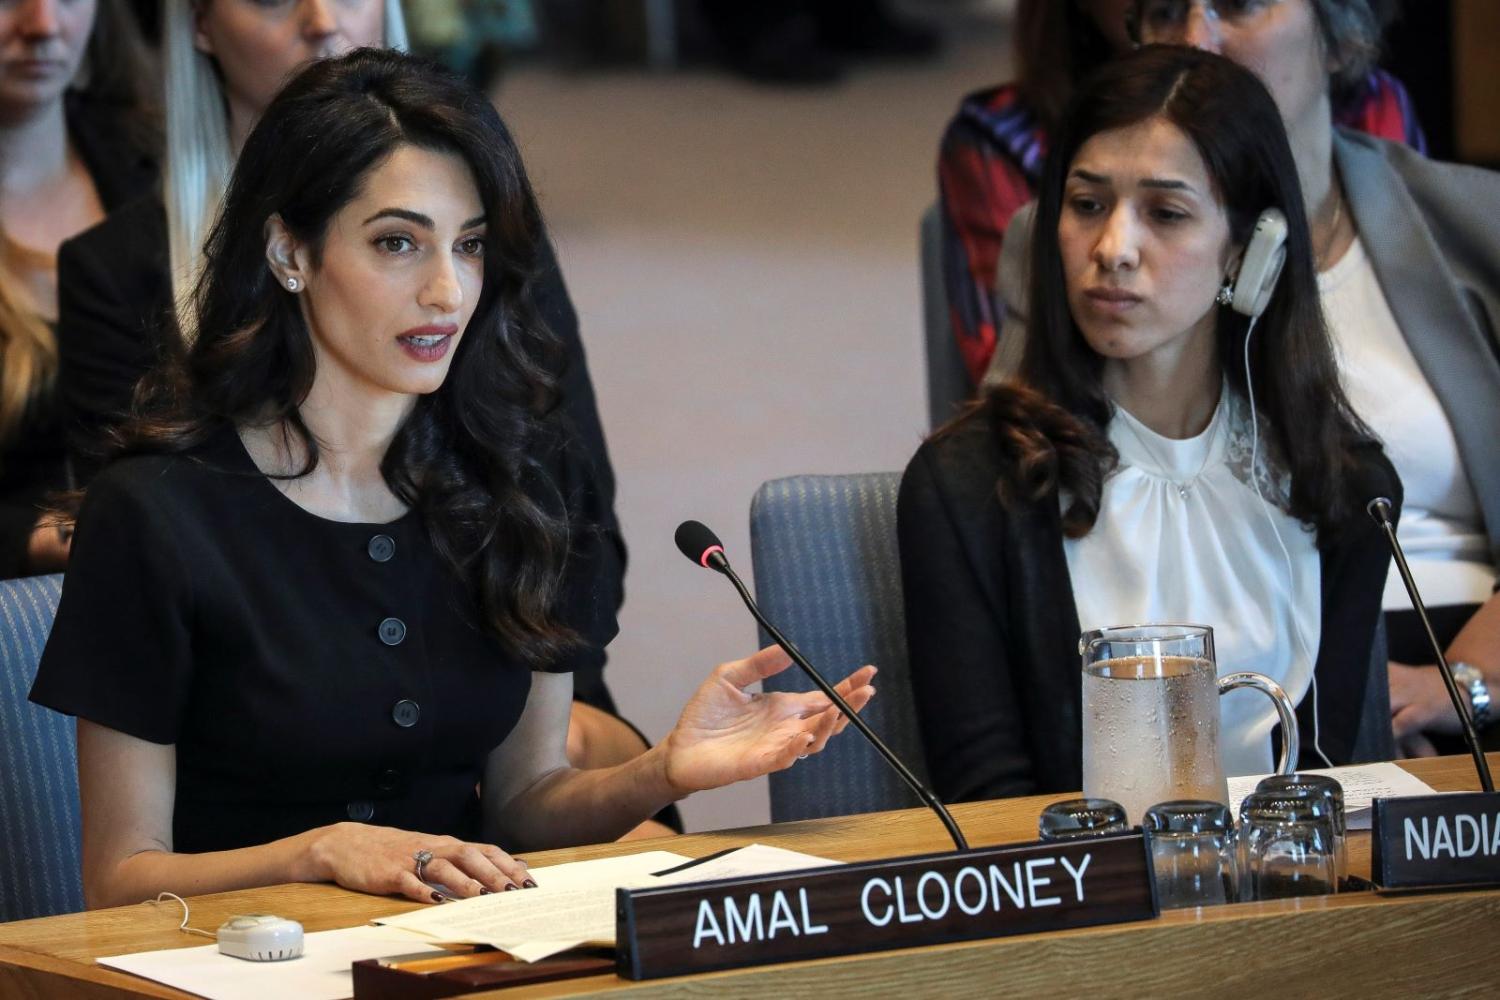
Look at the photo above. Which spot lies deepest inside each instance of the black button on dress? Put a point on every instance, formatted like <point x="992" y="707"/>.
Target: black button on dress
<point x="204" y="608"/>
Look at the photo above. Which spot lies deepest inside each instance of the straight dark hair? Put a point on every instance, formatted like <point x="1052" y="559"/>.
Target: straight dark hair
<point x="1051" y="420"/>
<point x="470" y="457"/>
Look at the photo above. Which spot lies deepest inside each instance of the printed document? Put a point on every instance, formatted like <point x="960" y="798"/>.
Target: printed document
<point x="1363" y="783"/>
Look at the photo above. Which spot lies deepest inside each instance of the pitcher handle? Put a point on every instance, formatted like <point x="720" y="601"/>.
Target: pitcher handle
<point x="1291" y="742"/>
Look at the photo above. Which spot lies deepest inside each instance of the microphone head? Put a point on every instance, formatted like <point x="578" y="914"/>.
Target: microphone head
<point x="698" y="542"/>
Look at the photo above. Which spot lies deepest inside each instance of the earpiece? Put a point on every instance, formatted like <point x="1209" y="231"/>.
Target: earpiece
<point x="1261" y="265"/>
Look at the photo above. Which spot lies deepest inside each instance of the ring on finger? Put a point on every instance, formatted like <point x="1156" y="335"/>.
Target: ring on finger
<point x="422" y="858"/>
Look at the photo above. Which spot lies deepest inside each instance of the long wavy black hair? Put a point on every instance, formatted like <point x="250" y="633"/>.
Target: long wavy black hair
<point x="1050" y="421"/>
<point x="471" y="456"/>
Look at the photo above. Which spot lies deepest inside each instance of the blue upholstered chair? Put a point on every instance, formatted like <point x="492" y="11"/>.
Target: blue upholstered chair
<point x="827" y="573"/>
<point x="39" y="825"/>
<point x="947" y="380"/>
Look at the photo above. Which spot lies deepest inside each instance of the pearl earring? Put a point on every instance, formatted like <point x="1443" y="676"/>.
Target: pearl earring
<point x="292" y="284"/>
<point x="1226" y="294"/>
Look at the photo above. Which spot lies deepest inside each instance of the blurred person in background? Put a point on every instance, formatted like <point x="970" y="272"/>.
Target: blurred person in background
<point x="992" y="151"/>
<point x="811" y="41"/>
<point x="76" y="141"/>
<point x="125" y="284"/>
<point x="1409" y="277"/>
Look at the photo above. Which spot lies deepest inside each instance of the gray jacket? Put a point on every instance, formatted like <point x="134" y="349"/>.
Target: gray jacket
<point x="1432" y="232"/>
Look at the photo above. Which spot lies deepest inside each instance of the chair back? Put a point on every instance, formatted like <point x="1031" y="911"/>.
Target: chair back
<point x="828" y="574"/>
<point x="40" y="867"/>
<point x="947" y="380"/>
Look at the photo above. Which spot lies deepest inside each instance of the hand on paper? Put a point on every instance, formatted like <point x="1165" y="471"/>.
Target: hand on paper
<point x="725" y="734"/>
<point x="381" y="859"/>
<point x="1419" y="704"/>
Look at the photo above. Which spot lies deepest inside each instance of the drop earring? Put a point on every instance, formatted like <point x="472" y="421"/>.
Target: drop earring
<point x="1226" y="293"/>
<point x="293" y="285"/>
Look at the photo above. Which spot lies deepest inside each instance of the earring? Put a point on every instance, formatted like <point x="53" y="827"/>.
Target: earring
<point x="1226" y="293"/>
<point x="293" y="284"/>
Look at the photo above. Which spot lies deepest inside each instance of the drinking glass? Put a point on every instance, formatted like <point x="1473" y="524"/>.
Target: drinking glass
<point x="1286" y="845"/>
<point x="1193" y="852"/>
<point x="1075" y="819"/>
<point x="1333" y="792"/>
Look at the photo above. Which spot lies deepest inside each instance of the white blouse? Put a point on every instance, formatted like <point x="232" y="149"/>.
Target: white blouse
<point x="1442" y="529"/>
<point x="1182" y="536"/>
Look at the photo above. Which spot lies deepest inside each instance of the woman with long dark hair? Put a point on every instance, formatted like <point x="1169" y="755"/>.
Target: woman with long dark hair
<point x="347" y="560"/>
<point x="1125" y="475"/>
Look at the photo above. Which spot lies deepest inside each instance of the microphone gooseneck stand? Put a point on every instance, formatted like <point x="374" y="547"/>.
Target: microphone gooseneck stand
<point x="1379" y="509"/>
<point x="701" y="546"/>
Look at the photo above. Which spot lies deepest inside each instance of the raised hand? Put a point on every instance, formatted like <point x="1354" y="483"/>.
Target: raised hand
<point x="726" y="734"/>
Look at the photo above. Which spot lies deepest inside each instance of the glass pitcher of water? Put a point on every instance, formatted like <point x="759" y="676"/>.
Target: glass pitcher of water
<point x="1151" y="715"/>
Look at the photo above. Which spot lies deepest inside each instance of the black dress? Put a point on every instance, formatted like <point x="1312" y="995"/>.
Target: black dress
<point x="992" y="629"/>
<point x="308" y="671"/>
<point x="33" y="463"/>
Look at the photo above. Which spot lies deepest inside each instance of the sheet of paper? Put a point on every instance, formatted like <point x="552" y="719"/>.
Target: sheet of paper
<point x="322" y="973"/>
<point x="574" y="904"/>
<point x="1362" y="783"/>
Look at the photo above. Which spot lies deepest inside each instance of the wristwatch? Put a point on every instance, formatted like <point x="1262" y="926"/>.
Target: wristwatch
<point x="1470" y="678"/>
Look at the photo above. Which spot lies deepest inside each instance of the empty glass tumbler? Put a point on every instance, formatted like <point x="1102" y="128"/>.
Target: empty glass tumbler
<point x="1333" y="792"/>
<point x="1286" y="845"/>
<point x="1193" y="853"/>
<point x="1076" y="818"/>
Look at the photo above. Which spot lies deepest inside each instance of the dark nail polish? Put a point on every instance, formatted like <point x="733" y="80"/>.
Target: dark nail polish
<point x="437" y="897"/>
<point x="509" y="886"/>
<point x="528" y="884"/>
<point x="485" y="890"/>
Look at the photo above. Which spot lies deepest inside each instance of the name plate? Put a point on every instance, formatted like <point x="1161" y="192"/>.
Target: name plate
<point x="879" y="905"/>
<point x="1436" y="841"/>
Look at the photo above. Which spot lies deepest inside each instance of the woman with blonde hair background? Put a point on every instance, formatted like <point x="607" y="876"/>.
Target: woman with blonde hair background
<point x="74" y="143"/>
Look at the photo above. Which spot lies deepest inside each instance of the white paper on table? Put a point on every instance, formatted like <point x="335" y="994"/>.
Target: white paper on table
<point x="1363" y="783"/>
<point x="322" y="973"/>
<point x="574" y="904"/>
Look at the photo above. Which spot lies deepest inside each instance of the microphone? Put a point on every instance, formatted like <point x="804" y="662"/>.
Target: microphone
<point x="1375" y="484"/>
<point x="698" y="542"/>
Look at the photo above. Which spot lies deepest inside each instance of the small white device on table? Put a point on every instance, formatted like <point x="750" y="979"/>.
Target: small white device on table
<point x="260" y="937"/>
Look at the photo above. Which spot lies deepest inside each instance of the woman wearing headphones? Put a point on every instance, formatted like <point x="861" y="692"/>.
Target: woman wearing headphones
<point x="1128" y="473"/>
<point x="1407" y="275"/>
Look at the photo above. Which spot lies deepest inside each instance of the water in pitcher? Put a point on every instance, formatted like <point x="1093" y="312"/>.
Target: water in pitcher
<point x="1150" y="732"/>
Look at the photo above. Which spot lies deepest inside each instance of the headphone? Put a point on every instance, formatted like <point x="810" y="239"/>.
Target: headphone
<point x="1250" y="292"/>
<point x="1248" y="295"/>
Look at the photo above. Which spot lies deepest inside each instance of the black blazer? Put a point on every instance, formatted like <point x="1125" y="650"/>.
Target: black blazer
<point x="34" y="462"/>
<point x="993" y="632"/>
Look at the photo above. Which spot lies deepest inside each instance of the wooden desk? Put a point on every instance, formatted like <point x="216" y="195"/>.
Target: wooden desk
<point x="1354" y="944"/>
